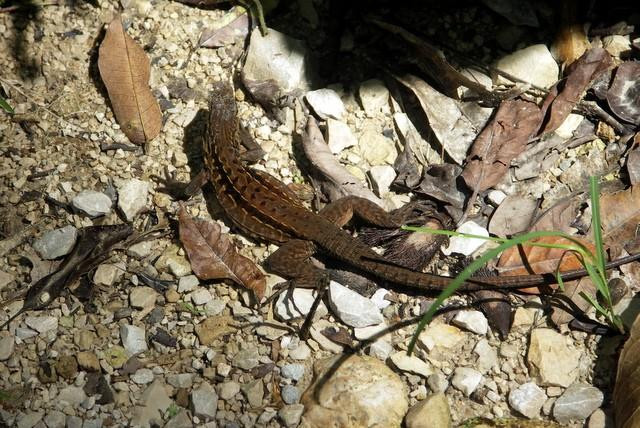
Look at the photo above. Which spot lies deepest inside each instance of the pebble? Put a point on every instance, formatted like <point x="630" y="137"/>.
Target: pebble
<point x="496" y="197"/>
<point x="133" y="339"/>
<point x="379" y="298"/>
<point x="292" y="371"/>
<point x="154" y="401"/>
<point x="352" y="308"/>
<point x="56" y="243"/>
<point x="93" y="203"/>
<point x="437" y="382"/>
<point x="326" y="103"/>
<point x="246" y="359"/>
<point x="527" y="399"/>
<point x="550" y="361"/>
<point x="381" y="349"/>
<point x="228" y="390"/>
<point x="88" y="361"/>
<point x="29" y="419"/>
<point x="374" y="97"/>
<point x="254" y="391"/>
<point x="382" y="176"/>
<point x="533" y="64"/>
<point x="474" y="321"/>
<point x="290" y="394"/>
<point x="432" y="412"/>
<point x="107" y="274"/>
<point x="300" y="352"/>
<point x="188" y="283"/>
<point x="5" y="279"/>
<point x="181" y="420"/>
<point x="55" y="419"/>
<point x="142" y="297"/>
<point x="204" y="401"/>
<point x="72" y="396"/>
<point x="290" y="414"/>
<point x="411" y="364"/>
<point x="375" y="148"/>
<point x="339" y="136"/>
<point x="7" y="345"/>
<point x="487" y="356"/>
<point x="443" y="336"/>
<point x="463" y="245"/>
<point x="74" y="422"/>
<point x="577" y="403"/>
<point x="140" y="250"/>
<point x="201" y="296"/>
<point x="298" y="305"/>
<point x="180" y="380"/>
<point x="142" y="376"/>
<point x="466" y="380"/>
<point x="42" y="324"/>
<point x="616" y="44"/>
<point x="214" y="307"/>
<point x="132" y="197"/>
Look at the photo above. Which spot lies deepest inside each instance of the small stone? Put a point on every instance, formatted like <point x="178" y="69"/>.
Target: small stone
<point x="116" y="356"/>
<point x="570" y="124"/>
<point x="140" y="250"/>
<point x="522" y="318"/>
<point x="74" y="422"/>
<point x="153" y="403"/>
<point x="132" y="197"/>
<point x="411" y="364"/>
<point x="142" y="297"/>
<point x="577" y="403"/>
<point x="599" y="419"/>
<point x="382" y="176"/>
<point x="466" y="380"/>
<point x="432" y="412"/>
<point x="177" y="264"/>
<point x="326" y="103"/>
<point x="550" y="361"/>
<point x="298" y="305"/>
<point x="29" y="419"/>
<point x="352" y="308"/>
<point x="300" y="352"/>
<point x="246" y="359"/>
<point x="487" y="356"/>
<point x="381" y="349"/>
<point x="172" y="296"/>
<point x="88" y="361"/>
<point x="67" y="367"/>
<point x="290" y="394"/>
<point x="292" y="371"/>
<point x="142" y="376"/>
<point x="55" y="419"/>
<point x="443" y="336"/>
<point x="181" y="420"/>
<point x="339" y="136"/>
<point x="188" y="283"/>
<point x="533" y="64"/>
<point x="463" y="245"/>
<point x="204" y="401"/>
<point x="290" y="414"/>
<point x="214" y="307"/>
<point x="374" y="97"/>
<point x="42" y="324"/>
<point x="56" y="243"/>
<point x="227" y="390"/>
<point x="379" y="298"/>
<point x="375" y="148"/>
<point x="254" y="392"/>
<point x="527" y="399"/>
<point x="616" y="44"/>
<point x="180" y="380"/>
<point x="85" y="339"/>
<point x="214" y="327"/>
<point x="133" y="339"/>
<point x="72" y="396"/>
<point x="7" y="345"/>
<point x="93" y="203"/>
<point x="437" y="382"/>
<point x="474" y="321"/>
<point x="201" y="296"/>
<point x="496" y="197"/>
<point x="107" y="274"/>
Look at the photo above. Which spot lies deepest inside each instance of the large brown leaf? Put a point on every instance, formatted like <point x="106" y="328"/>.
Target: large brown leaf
<point x="124" y="68"/>
<point x="504" y="138"/>
<point x="620" y="215"/>
<point x="213" y="255"/>
<point x="626" y="395"/>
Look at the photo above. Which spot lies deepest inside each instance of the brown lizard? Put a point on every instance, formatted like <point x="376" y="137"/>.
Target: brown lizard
<point x="264" y="208"/>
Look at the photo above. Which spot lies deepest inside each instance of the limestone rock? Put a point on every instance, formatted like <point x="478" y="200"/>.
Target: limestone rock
<point x="432" y="412"/>
<point x="550" y="361"/>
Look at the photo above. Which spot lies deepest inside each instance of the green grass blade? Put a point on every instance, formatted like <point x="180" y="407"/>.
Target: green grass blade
<point x="5" y="105"/>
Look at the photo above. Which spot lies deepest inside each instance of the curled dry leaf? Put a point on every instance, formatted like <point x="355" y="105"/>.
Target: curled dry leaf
<point x="124" y="68"/>
<point x="504" y="138"/>
<point x="213" y="255"/>
<point x="626" y="400"/>
<point x="624" y="94"/>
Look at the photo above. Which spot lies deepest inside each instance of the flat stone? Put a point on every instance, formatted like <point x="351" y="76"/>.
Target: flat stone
<point x="290" y="394"/>
<point x="7" y="345"/>
<point x="214" y="307"/>
<point x="374" y="97"/>
<point x="382" y="176"/>
<point x="326" y="103"/>
<point x="42" y="324"/>
<point x="29" y="419"/>
<point x="339" y="136"/>
<point x="132" y="197"/>
<point x="140" y="250"/>
<point x="527" y="399"/>
<point x="577" y="403"/>
<point x="72" y="396"/>
<point x="443" y="336"/>
<point x="56" y="243"/>
<point x="474" y="321"/>
<point x="616" y="44"/>
<point x="246" y="359"/>
<point x="381" y="349"/>
<point x="298" y="305"/>
<point x="107" y="274"/>
<point x="180" y="380"/>
<point x="188" y="283"/>
<point x="228" y="390"/>
<point x="290" y="414"/>
<point x="55" y="419"/>
<point x="300" y="352"/>
<point x="411" y="364"/>
<point x="533" y="64"/>
<point x="142" y="297"/>
<point x="204" y="401"/>
<point x="153" y="403"/>
<point x="551" y="362"/>
<point x="487" y="356"/>
<point x="201" y="296"/>
<point x="292" y="371"/>
<point x="142" y="376"/>
<point x="466" y="380"/>
<point x="254" y="391"/>
<point x="181" y="420"/>
<point x="375" y="148"/>
<point x="92" y="203"/>
<point x="74" y="422"/>
<point x="432" y="412"/>
<point x="352" y="308"/>
<point x="214" y="327"/>
<point x="88" y="361"/>
<point x="372" y="332"/>
<point x="5" y="279"/>
<point x="438" y="382"/>
<point x="357" y="391"/>
<point x="133" y="339"/>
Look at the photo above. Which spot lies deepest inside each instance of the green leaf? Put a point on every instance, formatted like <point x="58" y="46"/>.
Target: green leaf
<point x="5" y="105"/>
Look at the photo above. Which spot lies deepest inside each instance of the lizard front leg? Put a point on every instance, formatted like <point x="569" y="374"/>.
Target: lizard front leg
<point x="340" y="212"/>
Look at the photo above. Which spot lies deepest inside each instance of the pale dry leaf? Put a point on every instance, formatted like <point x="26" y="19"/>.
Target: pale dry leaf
<point x="620" y="216"/>
<point x="125" y="70"/>
<point x="234" y="26"/>
<point x="626" y="394"/>
<point x="213" y="255"/>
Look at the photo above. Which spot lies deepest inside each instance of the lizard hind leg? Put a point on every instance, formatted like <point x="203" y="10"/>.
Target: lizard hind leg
<point x="340" y="212"/>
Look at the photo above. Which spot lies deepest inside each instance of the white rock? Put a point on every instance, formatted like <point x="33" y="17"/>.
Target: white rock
<point x="527" y="399"/>
<point x="474" y="321"/>
<point x="550" y="360"/>
<point x="374" y="331"/>
<point x="326" y="103"/>
<point x="316" y="334"/>
<point x="381" y="349"/>
<point x="204" y="401"/>
<point x="352" y="308"/>
<point x="72" y="396"/>
<point x="142" y="297"/>
<point x="466" y="380"/>
<point x="133" y="339"/>
<point x="463" y="245"/>
<point x="411" y="364"/>
<point x="188" y="283"/>
<point x="42" y="324"/>
<point x="7" y="345"/>
<point x="533" y="64"/>
<point x="56" y="243"/>
<point x="440" y="335"/>
<point x="616" y="44"/>
<point x="301" y="352"/>
<point x="132" y="197"/>
<point x="93" y="203"/>
<point x="382" y="176"/>
<point x="375" y="148"/>
<point x="577" y="403"/>
<point x="339" y="136"/>
<point x="496" y="197"/>
<point x="142" y="376"/>
<point x="299" y="305"/>
<point x="378" y="298"/>
<point x="107" y="274"/>
<point x="201" y="296"/>
<point x="570" y="124"/>
<point x="140" y="250"/>
<point x="374" y="96"/>
<point x="487" y="356"/>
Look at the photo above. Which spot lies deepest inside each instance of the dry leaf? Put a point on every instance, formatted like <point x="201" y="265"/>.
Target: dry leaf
<point x="619" y="216"/>
<point x="124" y="68"/>
<point x="571" y="42"/>
<point x="626" y="396"/>
<point x="213" y="255"/>
<point x="234" y="25"/>
<point x="624" y="94"/>
<point x="513" y="215"/>
<point x="570" y="302"/>
<point x="504" y="138"/>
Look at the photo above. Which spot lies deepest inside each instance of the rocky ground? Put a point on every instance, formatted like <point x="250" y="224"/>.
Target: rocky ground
<point x="156" y="346"/>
